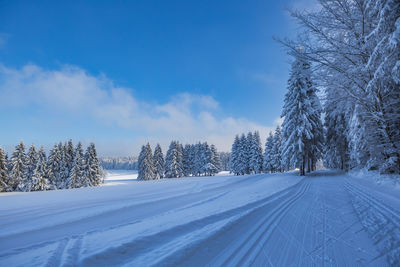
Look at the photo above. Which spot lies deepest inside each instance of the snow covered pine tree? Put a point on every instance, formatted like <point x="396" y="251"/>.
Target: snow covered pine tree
<point x="146" y="164"/>
<point x="302" y="126"/>
<point x="159" y="162"/>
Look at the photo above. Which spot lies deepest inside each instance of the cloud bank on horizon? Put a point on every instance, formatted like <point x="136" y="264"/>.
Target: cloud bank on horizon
<point x="81" y="97"/>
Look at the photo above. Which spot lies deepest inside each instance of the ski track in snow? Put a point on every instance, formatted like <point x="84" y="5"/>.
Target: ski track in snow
<point x="381" y="221"/>
<point x="258" y="220"/>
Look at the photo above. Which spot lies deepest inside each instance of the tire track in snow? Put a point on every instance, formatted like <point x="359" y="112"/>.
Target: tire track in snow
<point x="140" y="247"/>
<point x="249" y="248"/>
<point x="71" y="254"/>
<point x="55" y="259"/>
<point x="380" y="220"/>
<point x="274" y="209"/>
<point x="150" y="198"/>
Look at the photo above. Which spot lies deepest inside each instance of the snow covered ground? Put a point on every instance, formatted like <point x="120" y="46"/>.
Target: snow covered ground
<point x="278" y="219"/>
<point x="120" y="175"/>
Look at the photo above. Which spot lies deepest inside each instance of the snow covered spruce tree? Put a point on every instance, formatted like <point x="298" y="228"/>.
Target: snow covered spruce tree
<point x="276" y="153"/>
<point x="33" y="159"/>
<point x="198" y="159"/>
<point x="39" y="180"/>
<point x="69" y="154"/>
<point x="268" y="155"/>
<point x="146" y="164"/>
<point x="255" y="154"/>
<point x="355" y="47"/>
<point x="3" y="172"/>
<point x="32" y="171"/>
<point x="186" y="160"/>
<point x="302" y="126"/>
<point x="159" y="163"/>
<point x="206" y="160"/>
<point x="234" y="163"/>
<point x="246" y="156"/>
<point x="19" y="168"/>
<point x="243" y="155"/>
<point x="77" y="177"/>
<point x="173" y="161"/>
<point x="62" y="182"/>
<point x="93" y="173"/>
<point x="54" y="167"/>
<point x="215" y="160"/>
<point x="192" y="159"/>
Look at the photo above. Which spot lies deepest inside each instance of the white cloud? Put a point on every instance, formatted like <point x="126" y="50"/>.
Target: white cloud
<point x="185" y="117"/>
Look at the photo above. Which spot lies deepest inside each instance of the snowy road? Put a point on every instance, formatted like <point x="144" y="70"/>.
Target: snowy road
<point x="260" y="220"/>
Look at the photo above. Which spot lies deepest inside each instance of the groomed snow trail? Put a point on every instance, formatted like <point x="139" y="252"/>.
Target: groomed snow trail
<point x="325" y="219"/>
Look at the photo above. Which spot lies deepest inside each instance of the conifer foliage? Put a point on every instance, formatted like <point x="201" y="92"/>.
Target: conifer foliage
<point x="247" y="155"/>
<point x="268" y="154"/>
<point x="66" y="167"/>
<point x="146" y="164"/>
<point x="302" y="126"/>
<point x="159" y="163"/>
<point x="4" y="186"/>
<point x="180" y="161"/>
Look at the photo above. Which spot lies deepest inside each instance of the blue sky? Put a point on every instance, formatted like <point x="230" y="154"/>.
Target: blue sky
<point x="121" y="73"/>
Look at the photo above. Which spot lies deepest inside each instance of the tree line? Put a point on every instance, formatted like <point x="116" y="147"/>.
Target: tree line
<point x="180" y="161"/>
<point x="119" y="163"/>
<point x="65" y="167"/>
<point x="247" y="155"/>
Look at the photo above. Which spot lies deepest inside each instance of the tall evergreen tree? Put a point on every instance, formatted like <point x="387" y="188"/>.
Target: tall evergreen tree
<point x="243" y="155"/>
<point x="63" y="169"/>
<point x="3" y="172"/>
<point x="277" y="151"/>
<point x="198" y="160"/>
<point x="54" y="167"/>
<point x="39" y="180"/>
<point x="256" y="156"/>
<point x="146" y="164"/>
<point x="33" y="159"/>
<point x="173" y="161"/>
<point x="248" y="153"/>
<point x="301" y="118"/>
<point x="69" y="155"/>
<point x="234" y="163"/>
<point x="19" y="169"/>
<point x="93" y="172"/>
<point x="215" y="160"/>
<point x="268" y="154"/>
<point x="192" y="159"/>
<point x="207" y="167"/>
<point x="77" y="177"/>
<point x="180" y="159"/>
<point x="187" y="164"/>
<point x="159" y="163"/>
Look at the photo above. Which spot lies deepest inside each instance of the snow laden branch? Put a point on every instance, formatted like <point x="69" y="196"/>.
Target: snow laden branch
<point x="355" y="49"/>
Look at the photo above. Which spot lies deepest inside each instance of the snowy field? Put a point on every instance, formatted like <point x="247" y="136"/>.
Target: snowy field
<point x="114" y="176"/>
<point x="279" y="219"/>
